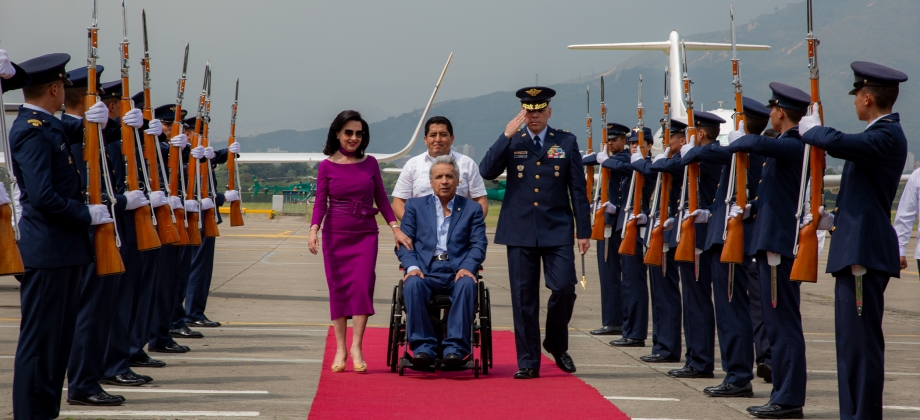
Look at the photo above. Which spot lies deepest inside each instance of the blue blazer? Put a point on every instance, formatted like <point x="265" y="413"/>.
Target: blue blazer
<point x="466" y="236"/>
<point x="54" y="219"/>
<point x="546" y="201"/>
<point x="862" y="227"/>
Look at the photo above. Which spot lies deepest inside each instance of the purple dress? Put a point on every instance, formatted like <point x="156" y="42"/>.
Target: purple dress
<point x="345" y="197"/>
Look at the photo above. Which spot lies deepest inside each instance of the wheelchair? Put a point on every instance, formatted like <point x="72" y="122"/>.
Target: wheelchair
<point x="479" y="361"/>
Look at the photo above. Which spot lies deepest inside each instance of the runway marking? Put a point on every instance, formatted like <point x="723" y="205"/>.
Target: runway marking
<point x="640" y="418"/>
<point x="241" y="359"/>
<point x="886" y="373"/>
<point x="641" y="398"/>
<point x="886" y="342"/>
<point x="184" y="391"/>
<point x="101" y="413"/>
<point x="900" y="407"/>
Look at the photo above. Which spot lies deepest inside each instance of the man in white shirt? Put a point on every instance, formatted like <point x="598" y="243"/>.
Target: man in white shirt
<point x="907" y="215"/>
<point x="413" y="180"/>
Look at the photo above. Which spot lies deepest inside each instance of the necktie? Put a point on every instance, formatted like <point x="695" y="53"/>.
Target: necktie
<point x="536" y="141"/>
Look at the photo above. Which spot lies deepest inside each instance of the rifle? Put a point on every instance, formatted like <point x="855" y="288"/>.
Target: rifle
<point x="10" y="258"/>
<point x="193" y="180"/>
<point x="655" y="253"/>
<point x="599" y="230"/>
<point x="175" y="166"/>
<point x="733" y="230"/>
<point x="589" y="176"/>
<point x="686" y="233"/>
<point x="209" y="216"/>
<point x="147" y="237"/>
<point x="233" y="176"/>
<point x="630" y="231"/>
<point x="805" y="266"/>
<point x="165" y="219"/>
<point x="106" y="241"/>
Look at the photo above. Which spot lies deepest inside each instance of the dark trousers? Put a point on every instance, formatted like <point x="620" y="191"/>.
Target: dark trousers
<point x="417" y="292"/>
<point x="666" y="308"/>
<point x="49" y="299"/>
<point x="524" y="276"/>
<point x="761" y="344"/>
<point x="183" y="270"/>
<point x="145" y="302"/>
<point x="610" y="278"/>
<point x="733" y="320"/>
<point x="784" y="331"/>
<point x="91" y="333"/>
<point x="635" y="293"/>
<point x="165" y="296"/>
<point x="199" y="280"/>
<point x="118" y="347"/>
<point x="699" y="318"/>
<point x="860" y="344"/>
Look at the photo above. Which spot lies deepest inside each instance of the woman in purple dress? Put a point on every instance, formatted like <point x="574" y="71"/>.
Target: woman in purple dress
<point x="347" y="186"/>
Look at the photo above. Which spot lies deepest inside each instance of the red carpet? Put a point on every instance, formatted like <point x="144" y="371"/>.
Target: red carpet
<point x="380" y="394"/>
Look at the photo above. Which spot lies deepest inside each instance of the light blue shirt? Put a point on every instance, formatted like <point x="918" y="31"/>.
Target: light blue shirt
<point x="443" y="225"/>
<point x="542" y="135"/>
<point x="37" y="108"/>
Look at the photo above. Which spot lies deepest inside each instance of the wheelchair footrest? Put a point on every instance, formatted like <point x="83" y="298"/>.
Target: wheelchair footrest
<point x="436" y="365"/>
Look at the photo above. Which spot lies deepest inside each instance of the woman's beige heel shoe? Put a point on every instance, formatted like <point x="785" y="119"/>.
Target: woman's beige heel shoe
<point x="340" y="368"/>
<point x="360" y="368"/>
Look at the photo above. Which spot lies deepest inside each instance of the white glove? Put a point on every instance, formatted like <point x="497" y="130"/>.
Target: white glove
<point x="669" y="224"/>
<point x="734" y="211"/>
<point x="609" y="208"/>
<point x="825" y="222"/>
<point x="158" y="199"/>
<point x="209" y="152"/>
<point x="234" y="148"/>
<point x="232" y="195"/>
<point x="662" y="155"/>
<point x="6" y="67"/>
<point x="175" y="202"/>
<point x="179" y="141"/>
<point x="198" y="152"/>
<point x="98" y="113"/>
<point x="685" y="148"/>
<point x="641" y="220"/>
<point x="602" y="156"/>
<point x="191" y="206"/>
<point x="699" y="216"/>
<point x="136" y="199"/>
<point x="133" y="118"/>
<point x="4" y="197"/>
<point x="810" y="121"/>
<point x="99" y="214"/>
<point x="207" y="204"/>
<point x="154" y="128"/>
<point x="583" y="158"/>
<point x="635" y="157"/>
<point x="736" y="134"/>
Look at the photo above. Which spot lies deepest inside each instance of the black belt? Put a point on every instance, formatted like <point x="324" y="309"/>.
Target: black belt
<point x="442" y="257"/>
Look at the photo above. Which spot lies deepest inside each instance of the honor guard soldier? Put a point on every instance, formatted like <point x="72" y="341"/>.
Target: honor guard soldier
<point x="537" y="223"/>
<point x="773" y="238"/>
<point x="55" y="243"/>
<point x="608" y="264"/>
<point x="864" y="253"/>
<point x="665" y="281"/>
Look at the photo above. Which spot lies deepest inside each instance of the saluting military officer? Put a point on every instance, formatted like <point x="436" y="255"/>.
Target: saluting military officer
<point x="54" y="243"/>
<point x="773" y="237"/>
<point x="537" y="223"/>
<point x="864" y="253"/>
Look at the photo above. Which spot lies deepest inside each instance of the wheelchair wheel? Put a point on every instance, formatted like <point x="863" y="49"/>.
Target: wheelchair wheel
<point x="393" y="325"/>
<point x="476" y="368"/>
<point x="485" y="328"/>
<point x="402" y="371"/>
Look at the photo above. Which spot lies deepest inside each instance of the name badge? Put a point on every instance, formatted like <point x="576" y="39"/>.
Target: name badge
<point x="520" y="154"/>
<point x="555" y="152"/>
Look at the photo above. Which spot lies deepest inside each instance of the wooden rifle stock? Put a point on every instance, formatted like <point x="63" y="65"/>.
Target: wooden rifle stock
<point x="192" y="184"/>
<point x="597" y="231"/>
<point x="175" y="162"/>
<point x="10" y="258"/>
<point x="733" y="249"/>
<point x="655" y="253"/>
<point x="204" y="169"/>
<point x="236" y="211"/>
<point x="631" y="229"/>
<point x="686" y="247"/>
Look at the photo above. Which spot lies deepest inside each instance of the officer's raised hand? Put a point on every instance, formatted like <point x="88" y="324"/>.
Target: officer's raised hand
<point x="515" y="124"/>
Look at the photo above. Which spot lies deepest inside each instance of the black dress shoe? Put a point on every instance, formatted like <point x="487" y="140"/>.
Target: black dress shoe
<point x="101" y="399"/>
<point x="421" y="359"/>
<point x="765" y="371"/>
<point x="628" y="342"/>
<point x="171" y="348"/>
<point x="728" y="390"/>
<point x="775" y="411"/>
<point x="605" y="330"/>
<point x="145" y="378"/>
<point x="689" y="372"/>
<point x="147" y="362"/>
<point x="656" y="358"/>
<point x="527" y="373"/>
<point x="127" y="379"/>
<point x="185" y="332"/>
<point x="453" y="359"/>
<point x="204" y="323"/>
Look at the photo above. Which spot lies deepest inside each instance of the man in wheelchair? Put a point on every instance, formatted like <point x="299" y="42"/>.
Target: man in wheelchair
<point x="448" y="233"/>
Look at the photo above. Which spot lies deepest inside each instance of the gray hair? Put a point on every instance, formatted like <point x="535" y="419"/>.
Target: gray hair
<point x="446" y="160"/>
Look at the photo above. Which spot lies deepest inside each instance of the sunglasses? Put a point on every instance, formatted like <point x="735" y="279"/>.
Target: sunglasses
<point x="352" y="133"/>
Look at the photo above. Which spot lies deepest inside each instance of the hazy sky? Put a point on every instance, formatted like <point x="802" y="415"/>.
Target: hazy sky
<point x="301" y="62"/>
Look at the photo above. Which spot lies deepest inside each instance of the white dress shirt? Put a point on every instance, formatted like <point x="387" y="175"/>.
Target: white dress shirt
<point x="414" y="179"/>
<point x="907" y="213"/>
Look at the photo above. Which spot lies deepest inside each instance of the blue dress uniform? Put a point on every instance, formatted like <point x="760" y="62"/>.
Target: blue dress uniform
<point x="775" y="227"/>
<point x="862" y="235"/>
<point x="537" y="223"/>
<point x="609" y="270"/>
<point x="184" y="266"/>
<point x="664" y="282"/>
<point x="54" y="218"/>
